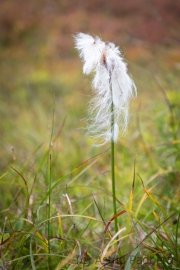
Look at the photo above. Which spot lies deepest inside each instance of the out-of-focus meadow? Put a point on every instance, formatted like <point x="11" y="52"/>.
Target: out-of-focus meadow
<point x="44" y="98"/>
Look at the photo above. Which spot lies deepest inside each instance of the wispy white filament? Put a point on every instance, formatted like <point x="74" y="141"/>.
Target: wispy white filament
<point x="112" y="86"/>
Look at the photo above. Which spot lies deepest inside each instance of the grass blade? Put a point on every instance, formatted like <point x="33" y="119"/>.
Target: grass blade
<point x="31" y="256"/>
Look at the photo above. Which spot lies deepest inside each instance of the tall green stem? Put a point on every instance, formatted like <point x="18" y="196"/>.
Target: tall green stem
<point x="49" y="186"/>
<point x="49" y="205"/>
<point x="112" y="162"/>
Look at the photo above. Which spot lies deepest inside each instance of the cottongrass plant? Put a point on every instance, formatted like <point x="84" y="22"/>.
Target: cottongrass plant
<point x="108" y="110"/>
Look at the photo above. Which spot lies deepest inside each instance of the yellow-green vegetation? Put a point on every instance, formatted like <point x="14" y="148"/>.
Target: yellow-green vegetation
<point x="56" y="201"/>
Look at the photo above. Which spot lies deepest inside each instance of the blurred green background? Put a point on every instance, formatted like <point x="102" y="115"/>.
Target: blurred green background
<point x="41" y="70"/>
<point x="43" y="105"/>
<point x="38" y="61"/>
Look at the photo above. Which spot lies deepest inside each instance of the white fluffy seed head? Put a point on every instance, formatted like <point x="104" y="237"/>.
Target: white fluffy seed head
<point x="89" y="50"/>
<point x="111" y="84"/>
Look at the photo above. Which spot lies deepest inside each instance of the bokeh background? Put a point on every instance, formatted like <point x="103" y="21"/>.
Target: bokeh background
<point x="43" y="106"/>
<point x="41" y="70"/>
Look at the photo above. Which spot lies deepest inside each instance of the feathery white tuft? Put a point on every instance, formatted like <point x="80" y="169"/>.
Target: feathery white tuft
<point x="112" y="86"/>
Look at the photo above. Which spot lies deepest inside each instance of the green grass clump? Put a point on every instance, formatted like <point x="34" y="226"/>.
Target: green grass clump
<point x="56" y="202"/>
